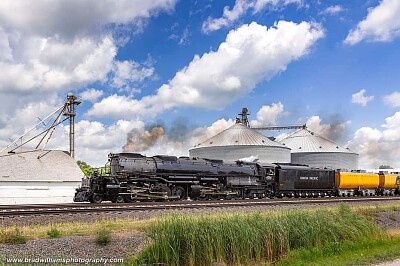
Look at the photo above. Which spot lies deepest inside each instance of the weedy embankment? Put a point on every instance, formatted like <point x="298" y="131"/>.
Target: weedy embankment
<point x="251" y="238"/>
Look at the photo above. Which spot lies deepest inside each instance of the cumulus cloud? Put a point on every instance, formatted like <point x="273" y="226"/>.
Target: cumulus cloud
<point x="378" y="146"/>
<point x="115" y="106"/>
<point x="91" y="95"/>
<point x="95" y="140"/>
<point x="269" y="114"/>
<point x="128" y="72"/>
<point x="69" y="19"/>
<point x="241" y="7"/>
<point x="360" y="98"/>
<point x="48" y="65"/>
<point x="392" y="100"/>
<point x="48" y="47"/>
<point x="24" y="118"/>
<point x="68" y="46"/>
<point x="382" y="24"/>
<point x="333" y="129"/>
<point x="249" y="55"/>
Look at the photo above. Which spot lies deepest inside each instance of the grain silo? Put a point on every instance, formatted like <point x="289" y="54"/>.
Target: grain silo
<point x="317" y="151"/>
<point x="240" y="141"/>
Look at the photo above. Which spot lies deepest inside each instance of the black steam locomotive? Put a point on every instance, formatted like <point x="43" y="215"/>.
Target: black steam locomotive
<point x="134" y="177"/>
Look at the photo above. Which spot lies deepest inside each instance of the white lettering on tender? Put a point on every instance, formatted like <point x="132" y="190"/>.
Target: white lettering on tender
<point x="308" y="177"/>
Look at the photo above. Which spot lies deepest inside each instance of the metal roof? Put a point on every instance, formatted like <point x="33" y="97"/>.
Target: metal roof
<point x="304" y="140"/>
<point x="39" y="165"/>
<point x="238" y="135"/>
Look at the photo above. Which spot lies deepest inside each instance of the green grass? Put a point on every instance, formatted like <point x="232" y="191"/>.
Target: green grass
<point x="251" y="238"/>
<point x="362" y="252"/>
<point x="53" y="233"/>
<point x="103" y="236"/>
<point x="12" y="236"/>
<point x="80" y="228"/>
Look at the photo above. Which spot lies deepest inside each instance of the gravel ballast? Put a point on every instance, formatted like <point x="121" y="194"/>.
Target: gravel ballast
<point x="79" y="249"/>
<point x="147" y="214"/>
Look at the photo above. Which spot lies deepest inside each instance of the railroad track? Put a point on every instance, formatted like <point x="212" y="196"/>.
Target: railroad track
<point x="26" y="210"/>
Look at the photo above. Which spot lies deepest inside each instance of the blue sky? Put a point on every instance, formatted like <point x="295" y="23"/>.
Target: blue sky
<point x="190" y="66"/>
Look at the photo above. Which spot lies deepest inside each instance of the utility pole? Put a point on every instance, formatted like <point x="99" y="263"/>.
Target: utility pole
<point x="71" y="103"/>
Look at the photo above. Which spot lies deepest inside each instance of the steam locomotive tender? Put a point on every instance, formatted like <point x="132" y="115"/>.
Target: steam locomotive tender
<point x="134" y="177"/>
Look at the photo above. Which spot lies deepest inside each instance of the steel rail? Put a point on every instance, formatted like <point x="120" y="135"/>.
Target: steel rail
<point x="25" y="210"/>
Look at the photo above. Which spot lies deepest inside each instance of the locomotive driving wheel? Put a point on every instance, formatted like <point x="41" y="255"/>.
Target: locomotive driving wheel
<point x="97" y="198"/>
<point x="120" y="199"/>
<point x="179" y="192"/>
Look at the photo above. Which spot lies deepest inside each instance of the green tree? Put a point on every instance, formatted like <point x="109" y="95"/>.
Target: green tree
<point x="85" y="168"/>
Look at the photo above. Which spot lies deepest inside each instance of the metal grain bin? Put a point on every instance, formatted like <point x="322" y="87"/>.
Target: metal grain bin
<point x="316" y="151"/>
<point x="240" y="141"/>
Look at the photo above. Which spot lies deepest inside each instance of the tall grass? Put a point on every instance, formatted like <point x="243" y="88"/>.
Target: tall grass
<point x="12" y="236"/>
<point x="252" y="238"/>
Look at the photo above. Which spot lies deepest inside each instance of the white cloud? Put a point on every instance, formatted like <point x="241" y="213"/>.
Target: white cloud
<point x="360" y="98"/>
<point x="241" y="6"/>
<point x="68" y="46"/>
<point x="95" y="140"/>
<point x="127" y="72"/>
<point x="332" y="10"/>
<point x="116" y="106"/>
<point x="48" y="65"/>
<point x="249" y="55"/>
<point x="91" y="95"/>
<point x="269" y="114"/>
<point x="68" y="19"/>
<point x="201" y="134"/>
<point x="377" y="147"/>
<point x="392" y="100"/>
<point x="184" y="39"/>
<point x="47" y="47"/>
<point x="22" y="120"/>
<point x="334" y="130"/>
<point x="381" y="24"/>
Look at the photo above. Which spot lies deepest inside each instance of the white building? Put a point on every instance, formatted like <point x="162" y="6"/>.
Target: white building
<point x="33" y="177"/>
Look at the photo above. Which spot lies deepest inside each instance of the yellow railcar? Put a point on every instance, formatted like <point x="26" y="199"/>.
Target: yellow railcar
<point x="357" y="184"/>
<point x="389" y="181"/>
<point x="347" y="180"/>
<point x="388" y="184"/>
